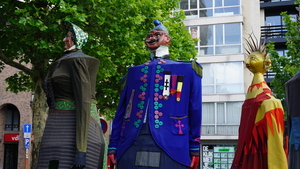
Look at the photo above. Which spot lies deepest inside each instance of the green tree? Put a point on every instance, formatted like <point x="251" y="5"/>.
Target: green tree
<point x="31" y="37"/>
<point x="287" y="66"/>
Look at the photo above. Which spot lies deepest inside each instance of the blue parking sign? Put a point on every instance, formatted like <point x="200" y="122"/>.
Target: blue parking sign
<point x="27" y="128"/>
<point x="27" y="143"/>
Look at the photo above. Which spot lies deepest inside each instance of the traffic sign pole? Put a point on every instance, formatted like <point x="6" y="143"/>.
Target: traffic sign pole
<point x="27" y="135"/>
<point x="26" y="159"/>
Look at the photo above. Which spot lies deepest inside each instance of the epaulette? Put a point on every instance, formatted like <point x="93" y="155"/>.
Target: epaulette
<point x="198" y="68"/>
<point x="188" y="61"/>
<point x="195" y="65"/>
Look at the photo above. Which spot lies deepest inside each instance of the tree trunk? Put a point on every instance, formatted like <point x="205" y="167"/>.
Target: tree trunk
<point x="40" y="114"/>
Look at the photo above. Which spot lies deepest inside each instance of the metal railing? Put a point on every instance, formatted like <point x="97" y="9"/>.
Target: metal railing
<point x="12" y="127"/>
<point x="274" y="0"/>
<point x="277" y="31"/>
<point x="269" y="75"/>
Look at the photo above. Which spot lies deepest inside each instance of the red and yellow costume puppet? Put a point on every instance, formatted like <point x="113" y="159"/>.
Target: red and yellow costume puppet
<point x="260" y="143"/>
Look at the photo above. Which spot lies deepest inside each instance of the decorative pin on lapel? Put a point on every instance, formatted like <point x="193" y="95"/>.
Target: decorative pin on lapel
<point x="167" y="81"/>
<point x="173" y="84"/>
<point x="179" y="87"/>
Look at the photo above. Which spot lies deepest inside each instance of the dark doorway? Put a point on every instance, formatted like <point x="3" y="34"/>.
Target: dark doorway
<point x="11" y="156"/>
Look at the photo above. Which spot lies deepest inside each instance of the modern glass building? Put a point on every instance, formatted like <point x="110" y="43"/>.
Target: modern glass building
<point x="221" y="26"/>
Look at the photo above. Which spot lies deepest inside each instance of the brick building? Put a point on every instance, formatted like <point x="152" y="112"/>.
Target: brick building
<point x="15" y="111"/>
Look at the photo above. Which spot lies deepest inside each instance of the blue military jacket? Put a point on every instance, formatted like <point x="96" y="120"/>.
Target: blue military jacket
<point x="168" y="94"/>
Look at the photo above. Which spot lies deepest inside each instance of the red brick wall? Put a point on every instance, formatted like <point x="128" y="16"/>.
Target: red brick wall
<point x="22" y="102"/>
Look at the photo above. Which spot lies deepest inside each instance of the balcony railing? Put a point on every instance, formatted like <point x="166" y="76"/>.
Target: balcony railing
<point x="274" y="0"/>
<point x="269" y="75"/>
<point x="277" y="31"/>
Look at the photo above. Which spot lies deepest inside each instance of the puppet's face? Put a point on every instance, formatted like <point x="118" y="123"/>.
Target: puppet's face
<point x="68" y="40"/>
<point x="156" y="38"/>
<point x="257" y="63"/>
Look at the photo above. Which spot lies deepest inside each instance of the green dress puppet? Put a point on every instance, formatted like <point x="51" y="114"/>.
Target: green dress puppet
<point x="73" y="136"/>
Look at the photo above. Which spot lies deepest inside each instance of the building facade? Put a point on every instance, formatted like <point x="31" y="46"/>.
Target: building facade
<point x="272" y="27"/>
<point x="15" y="111"/>
<point x="221" y="27"/>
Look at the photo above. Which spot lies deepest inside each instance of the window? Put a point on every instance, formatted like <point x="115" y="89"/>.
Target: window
<point x="282" y="52"/>
<point x="210" y="8"/>
<point x="223" y="78"/>
<point x="221" y="118"/>
<point x="12" y="118"/>
<point x="274" y="20"/>
<point x="217" y="39"/>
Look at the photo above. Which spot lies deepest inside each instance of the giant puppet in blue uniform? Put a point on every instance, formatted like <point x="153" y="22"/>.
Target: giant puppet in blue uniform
<point x="158" y="120"/>
<point x="293" y="119"/>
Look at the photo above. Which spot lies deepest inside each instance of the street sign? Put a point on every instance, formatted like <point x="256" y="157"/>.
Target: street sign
<point x="27" y="135"/>
<point x="11" y="137"/>
<point x="27" y="128"/>
<point x="27" y="143"/>
<point x="104" y="126"/>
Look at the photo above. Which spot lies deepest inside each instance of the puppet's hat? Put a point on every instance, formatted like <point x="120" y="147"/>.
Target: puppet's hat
<point x="81" y="37"/>
<point x="159" y="26"/>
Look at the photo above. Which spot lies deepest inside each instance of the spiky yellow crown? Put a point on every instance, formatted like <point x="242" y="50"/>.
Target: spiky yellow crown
<point x="253" y="45"/>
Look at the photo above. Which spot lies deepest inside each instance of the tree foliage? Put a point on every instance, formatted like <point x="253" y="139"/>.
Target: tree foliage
<point x="31" y="33"/>
<point x="286" y="66"/>
<point x="31" y="38"/>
